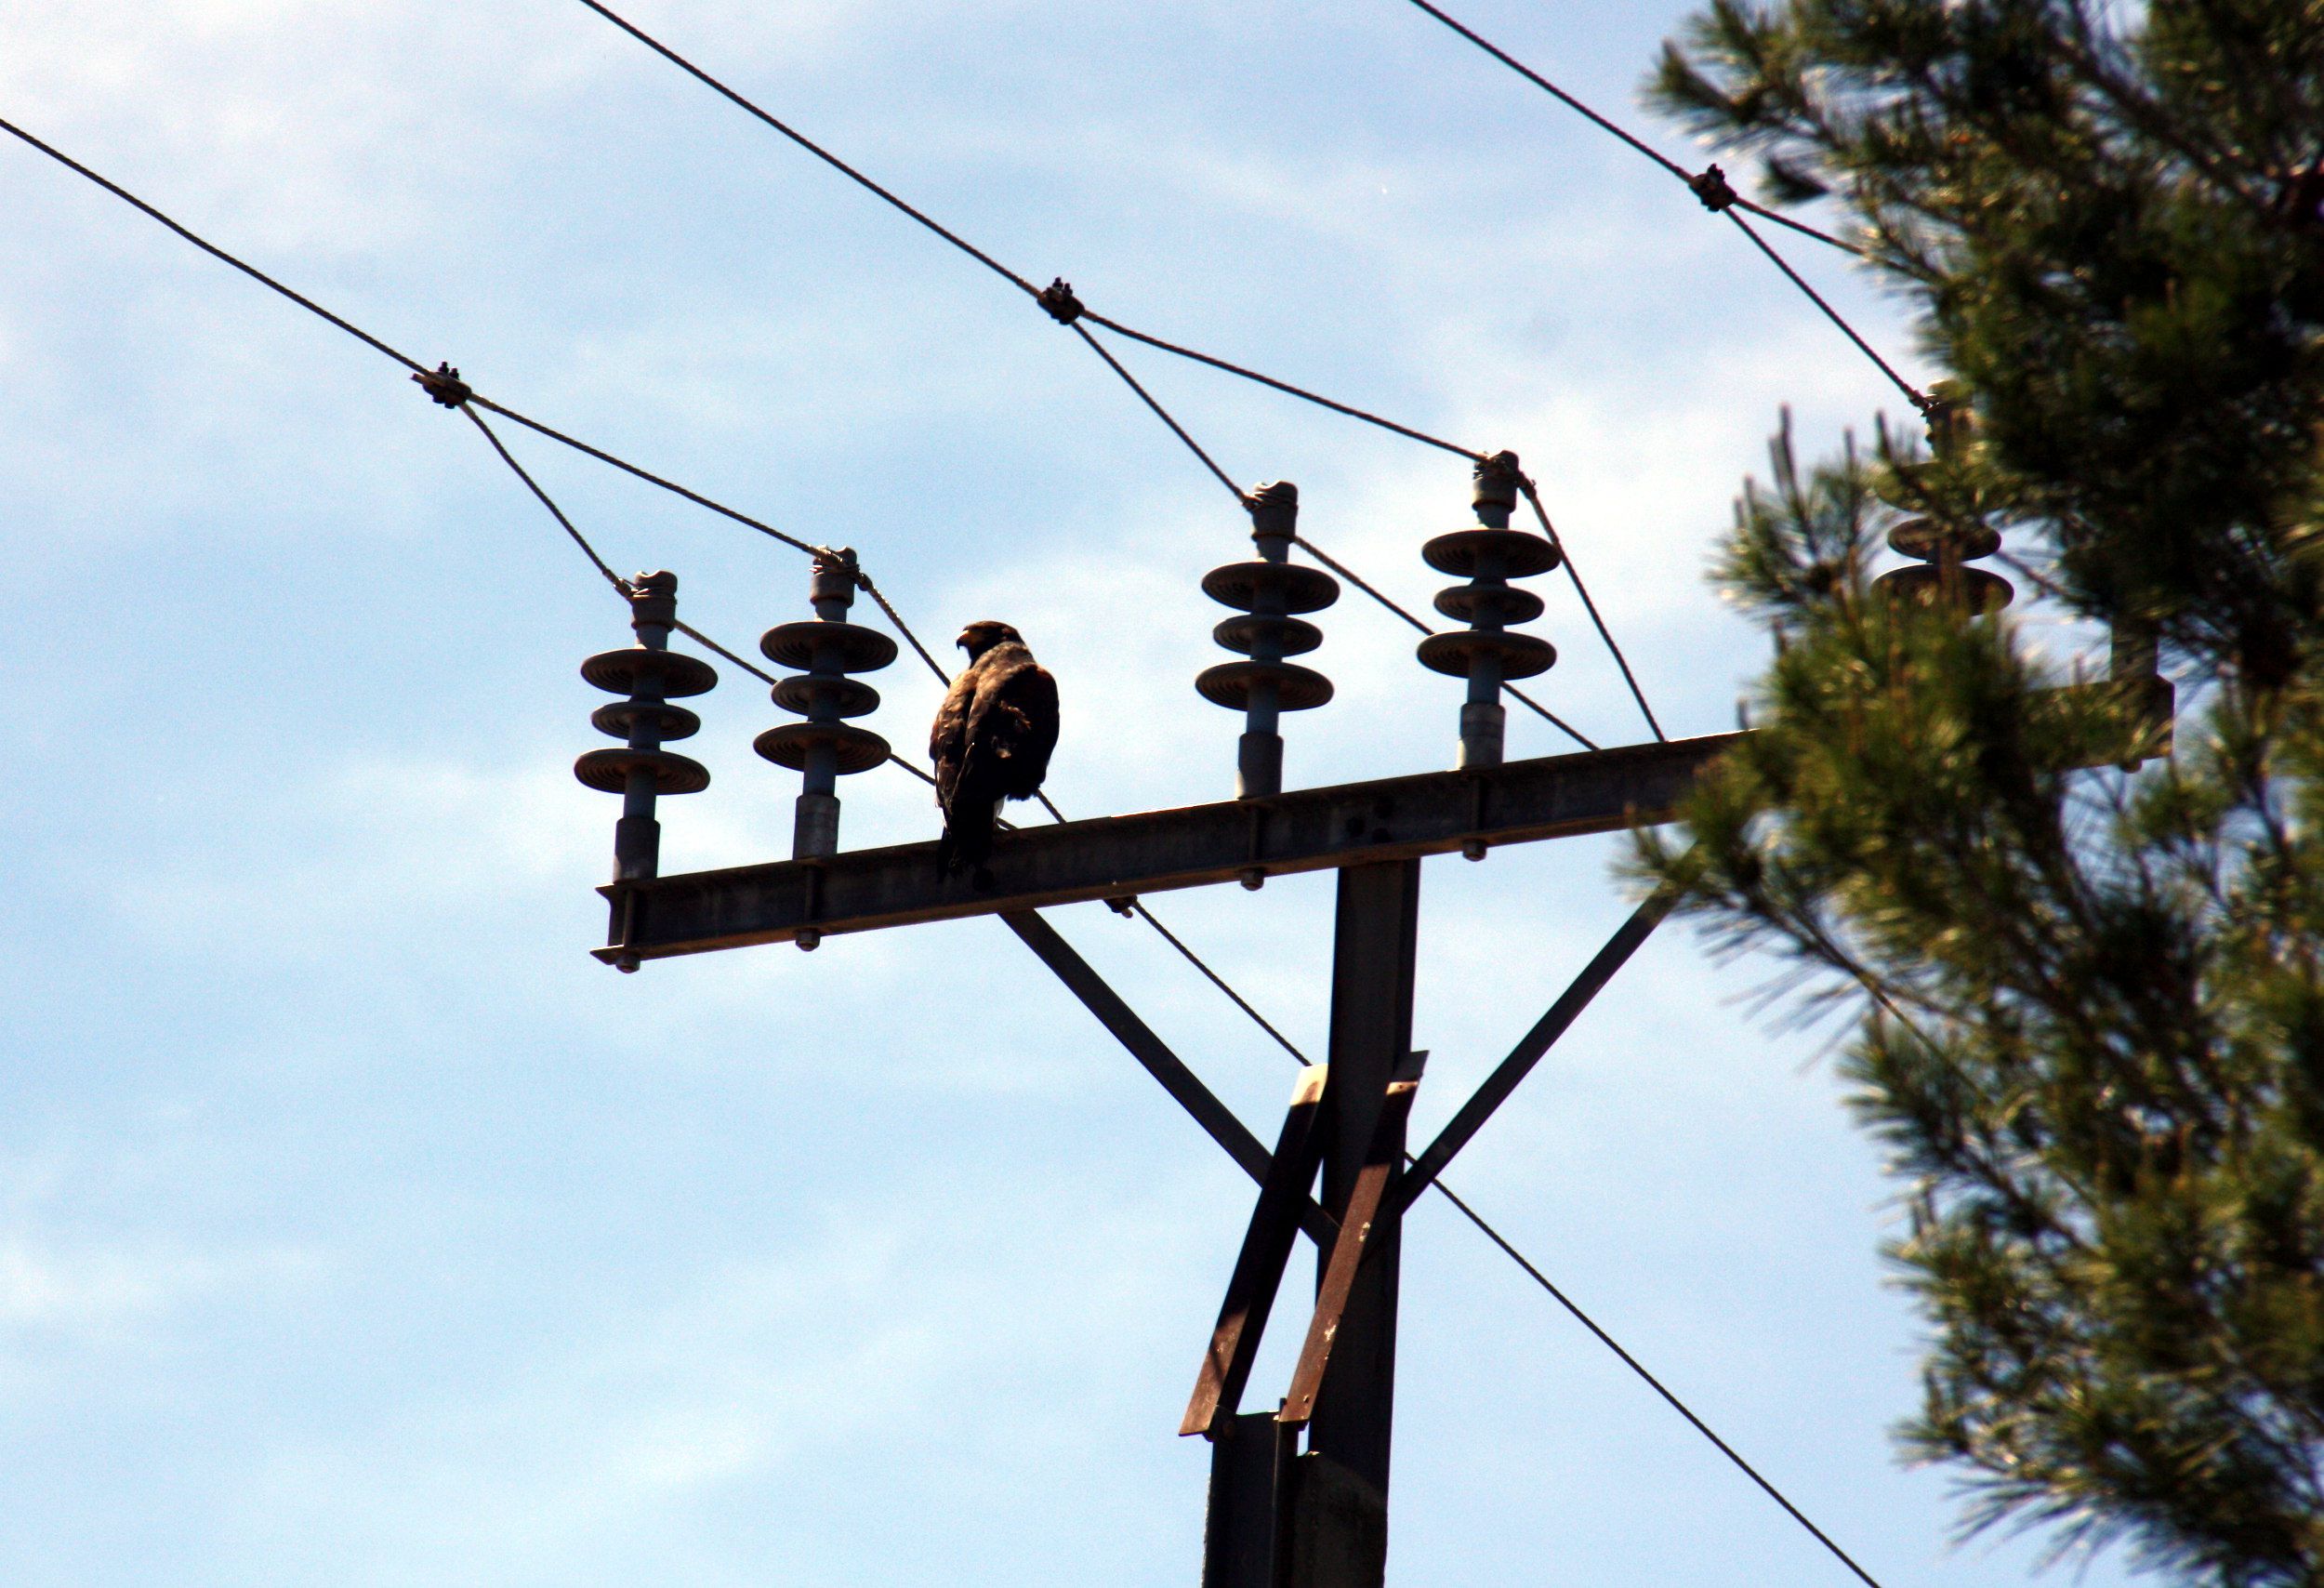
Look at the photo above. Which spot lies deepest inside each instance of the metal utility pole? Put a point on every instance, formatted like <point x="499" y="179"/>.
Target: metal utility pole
<point x="1282" y="1515"/>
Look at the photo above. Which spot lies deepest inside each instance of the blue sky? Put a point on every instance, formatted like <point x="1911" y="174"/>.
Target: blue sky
<point x="357" y="1228"/>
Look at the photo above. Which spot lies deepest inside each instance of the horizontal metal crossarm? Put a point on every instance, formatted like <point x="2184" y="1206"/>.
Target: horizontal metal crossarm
<point x="1536" y="1042"/>
<point x="1115" y="858"/>
<point x="1165" y="1065"/>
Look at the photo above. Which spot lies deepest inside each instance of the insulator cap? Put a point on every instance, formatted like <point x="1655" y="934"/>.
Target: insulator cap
<point x="1466" y="603"/>
<point x="859" y="748"/>
<point x="608" y="771"/>
<point x="1292" y="637"/>
<point x="667" y="673"/>
<point x="1297" y="688"/>
<point x="1933" y="541"/>
<point x="619" y="716"/>
<point x="855" y="648"/>
<point x="1521" y="655"/>
<point x="1303" y="589"/>
<point x="1274" y="509"/>
<point x="1522" y="554"/>
<point x="848" y="698"/>
<point x="1934" y="585"/>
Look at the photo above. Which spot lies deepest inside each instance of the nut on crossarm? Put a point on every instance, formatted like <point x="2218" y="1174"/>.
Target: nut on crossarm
<point x="649" y="674"/>
<point x="1269" y="593"/>
<point x="825" y="746"/>
<point x="1484" y="653"/>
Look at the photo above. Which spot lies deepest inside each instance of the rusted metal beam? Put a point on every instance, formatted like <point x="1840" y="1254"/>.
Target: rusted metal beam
<point x="1369" y="1214"/>
<point x="1166" y="1066"/>
<point x="1250" y="1291"/>
<point x="1308" y="830"/>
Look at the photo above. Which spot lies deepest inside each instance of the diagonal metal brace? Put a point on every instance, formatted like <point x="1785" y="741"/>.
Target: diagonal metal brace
<point x="1251" y="1292"/>
<point x="1163" y="1065"/>
<point x="1527" y="1052"/>
<point x="1369" y="1211"/>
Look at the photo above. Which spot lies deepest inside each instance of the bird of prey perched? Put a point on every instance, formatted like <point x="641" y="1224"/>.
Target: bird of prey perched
<point x="991" y="740"/>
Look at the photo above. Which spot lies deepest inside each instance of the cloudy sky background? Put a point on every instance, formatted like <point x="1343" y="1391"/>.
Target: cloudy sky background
<point x="357" y="1228"/>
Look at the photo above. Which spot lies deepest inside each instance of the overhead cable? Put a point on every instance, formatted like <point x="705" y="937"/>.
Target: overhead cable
<point x="1060" y="302"/>
<point x="1563" y="1300"/>
<point x="1710" y="186"/>
<point x="1705" y="184"/>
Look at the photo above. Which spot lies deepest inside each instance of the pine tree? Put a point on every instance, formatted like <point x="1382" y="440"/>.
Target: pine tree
<point x="2086" y="1008"/>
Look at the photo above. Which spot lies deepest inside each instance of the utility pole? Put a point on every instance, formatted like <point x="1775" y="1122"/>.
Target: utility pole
<point x="1281" y="1515"/>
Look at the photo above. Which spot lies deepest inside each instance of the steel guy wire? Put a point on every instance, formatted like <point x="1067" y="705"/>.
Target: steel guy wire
<point x="1284" y="386"/>
<point x="1712" y="188"/>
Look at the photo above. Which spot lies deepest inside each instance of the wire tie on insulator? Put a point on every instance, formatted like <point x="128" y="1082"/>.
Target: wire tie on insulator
<point x="1059" y="299"/>
<point x="1713" y="188"/>
<point x="444" y="385"/>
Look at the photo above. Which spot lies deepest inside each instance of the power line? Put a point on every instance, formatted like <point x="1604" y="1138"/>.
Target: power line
<point x="1711" y="179"/>
<point x="1533" y="495"/>
<point x="808" y="144"/>
<point x="208" y="247"/>
<point x="621" y="585"/>
<point x="1913" y="395"/>
<point x="1657" y="1386"/>
<point x="1059" y="301"/>
<point x="1710" y="186"/>
<point x="1163" y="413"/>
<point x="1284" y="386"/>
<point x="1356" y="580"/>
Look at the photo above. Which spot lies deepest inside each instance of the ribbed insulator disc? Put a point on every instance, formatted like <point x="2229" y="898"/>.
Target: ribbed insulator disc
<point x="850" y="698"/>
<point x="1302" y="588"/>
<point x="608" y="771"/>
<point x="855" y="649"/>
<point x="619" y="672"/>
<point x="1466" y="603"/>
<point x="1522" y="655"/>
<point x="1244" y="633"/>
<point x="1297" y="689"/>
<point x="1972" y="588"/>
<point x="860" y="750"/>
<point x="1522" y="554"/>
<point x="616" y="717"/>
<point x="1931" y="541"/>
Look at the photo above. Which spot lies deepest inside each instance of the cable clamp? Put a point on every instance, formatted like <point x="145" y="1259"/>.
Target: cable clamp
<point x="444" y="385"/>
<point x="1712" y="188"/>
<point x="1059" y="299"/>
